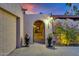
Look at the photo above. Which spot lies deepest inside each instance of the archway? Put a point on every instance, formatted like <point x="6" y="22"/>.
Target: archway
<point x="39" y="31"/>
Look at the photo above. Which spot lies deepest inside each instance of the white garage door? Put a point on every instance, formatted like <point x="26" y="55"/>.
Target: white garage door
<point x="7" y="32"/>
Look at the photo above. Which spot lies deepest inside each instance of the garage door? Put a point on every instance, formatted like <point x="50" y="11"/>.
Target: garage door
<point x="7" y="32"/>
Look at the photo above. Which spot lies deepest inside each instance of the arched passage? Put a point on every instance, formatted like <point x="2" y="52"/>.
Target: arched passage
<point x="39" y="31"/>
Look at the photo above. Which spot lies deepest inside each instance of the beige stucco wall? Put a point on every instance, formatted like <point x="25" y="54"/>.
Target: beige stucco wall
<point x="29" y="21"/>
<point x="8" y="27"/>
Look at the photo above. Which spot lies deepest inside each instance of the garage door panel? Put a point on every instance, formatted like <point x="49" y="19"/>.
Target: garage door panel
<point x="7" y="32"/>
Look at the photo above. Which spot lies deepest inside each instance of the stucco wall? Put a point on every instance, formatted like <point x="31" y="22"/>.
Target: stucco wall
<point x="8" y="27"/>
<point x="29" y="21"/>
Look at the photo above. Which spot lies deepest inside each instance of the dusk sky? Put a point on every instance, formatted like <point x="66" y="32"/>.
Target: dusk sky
<point x="46" y="8"/>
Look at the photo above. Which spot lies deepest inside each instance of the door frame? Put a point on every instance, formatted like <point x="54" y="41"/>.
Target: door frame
<point x="18" y="41"/>
<point x="44" y="30"/>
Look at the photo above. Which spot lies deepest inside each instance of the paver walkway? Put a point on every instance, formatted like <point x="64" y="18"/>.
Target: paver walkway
<point x="41" y="50"/>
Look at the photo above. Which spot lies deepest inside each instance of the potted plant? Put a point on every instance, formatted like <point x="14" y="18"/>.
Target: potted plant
<point x="49" y="39"/>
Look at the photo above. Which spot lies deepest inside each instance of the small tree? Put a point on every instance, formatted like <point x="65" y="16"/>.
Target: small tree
<point x="73" y="9"/>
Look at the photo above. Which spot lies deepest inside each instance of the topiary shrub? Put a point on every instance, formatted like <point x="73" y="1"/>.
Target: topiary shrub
<point x="49" y="39"/>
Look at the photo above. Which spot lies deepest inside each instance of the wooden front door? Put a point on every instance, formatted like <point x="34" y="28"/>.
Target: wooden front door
<point x="39" y="32"/>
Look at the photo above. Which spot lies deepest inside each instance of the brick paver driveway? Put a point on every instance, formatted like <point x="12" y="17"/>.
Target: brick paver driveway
<point x="41" y="50"/>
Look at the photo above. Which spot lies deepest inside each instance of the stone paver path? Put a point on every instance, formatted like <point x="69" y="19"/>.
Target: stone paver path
<point x="41" y="50"/>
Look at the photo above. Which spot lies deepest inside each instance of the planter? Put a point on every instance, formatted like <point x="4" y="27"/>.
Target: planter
<point x="49" y="39"/>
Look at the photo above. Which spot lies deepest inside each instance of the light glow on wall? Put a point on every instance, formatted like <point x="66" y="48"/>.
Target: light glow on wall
<point x="49" y="20"/>
<point x="46" y="22"/>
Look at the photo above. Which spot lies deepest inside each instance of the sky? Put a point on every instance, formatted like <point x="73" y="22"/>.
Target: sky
<point x="45" y="8"/>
